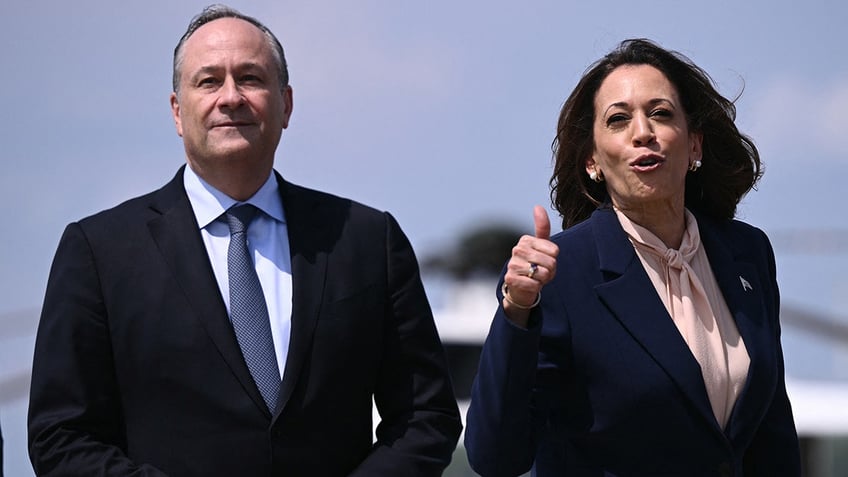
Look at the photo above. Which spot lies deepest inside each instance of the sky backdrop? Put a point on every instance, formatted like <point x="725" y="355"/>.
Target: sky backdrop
<point x="440" y="111"/>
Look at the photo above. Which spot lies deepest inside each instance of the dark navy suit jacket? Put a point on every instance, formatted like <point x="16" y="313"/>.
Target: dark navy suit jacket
<point x="602" y="383"/>
<point x="137" y="370"/>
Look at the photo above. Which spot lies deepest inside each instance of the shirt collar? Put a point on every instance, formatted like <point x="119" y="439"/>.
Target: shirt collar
<point x="642" y="236"/>
<point x="209" y="203"/>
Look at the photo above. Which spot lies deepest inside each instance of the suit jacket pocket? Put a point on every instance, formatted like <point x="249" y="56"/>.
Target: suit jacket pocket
<point x="349" y="333"/>
<point x="354" y="316"/>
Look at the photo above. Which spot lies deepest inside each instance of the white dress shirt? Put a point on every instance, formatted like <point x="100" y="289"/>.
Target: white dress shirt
<point x="267" y="240"/>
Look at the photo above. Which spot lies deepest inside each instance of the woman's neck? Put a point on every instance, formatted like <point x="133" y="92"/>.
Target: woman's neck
<point x="665" y="220"/>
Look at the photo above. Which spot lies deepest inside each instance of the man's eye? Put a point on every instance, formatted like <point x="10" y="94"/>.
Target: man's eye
<point x="207" y="82"/>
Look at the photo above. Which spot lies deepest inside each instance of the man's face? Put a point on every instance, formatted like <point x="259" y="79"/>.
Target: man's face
<point x="230" y="110"/>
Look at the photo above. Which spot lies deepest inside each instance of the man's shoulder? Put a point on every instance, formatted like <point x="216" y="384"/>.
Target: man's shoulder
<point x="137" y="209"/>
<point x="321" y="202"/>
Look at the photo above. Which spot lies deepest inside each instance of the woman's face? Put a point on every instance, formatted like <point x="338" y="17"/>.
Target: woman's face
<point x="642" y="145"/>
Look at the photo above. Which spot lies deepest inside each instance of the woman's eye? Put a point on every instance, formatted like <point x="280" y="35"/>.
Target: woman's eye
<point x="616" y="119"/>
<point x="663" y="113"/>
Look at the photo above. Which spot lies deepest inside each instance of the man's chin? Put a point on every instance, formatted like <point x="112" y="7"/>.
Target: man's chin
<point x="232" y="149"/>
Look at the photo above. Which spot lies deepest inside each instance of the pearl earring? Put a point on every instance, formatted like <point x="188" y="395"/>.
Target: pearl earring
<point x="595" y="176"/>
<point x="695" y="165"/>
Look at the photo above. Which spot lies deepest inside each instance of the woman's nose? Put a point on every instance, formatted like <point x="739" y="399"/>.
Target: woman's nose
<point x="643" y="131"/>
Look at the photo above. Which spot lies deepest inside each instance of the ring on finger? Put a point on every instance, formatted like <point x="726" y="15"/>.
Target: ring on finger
<point x="533" y="269"/>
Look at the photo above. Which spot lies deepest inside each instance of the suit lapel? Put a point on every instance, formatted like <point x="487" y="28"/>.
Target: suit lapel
<point x="633" y="300"/>
<point x="176" y="233"/>
<point x="304" y="218"/>
<point x="742" y="291"/>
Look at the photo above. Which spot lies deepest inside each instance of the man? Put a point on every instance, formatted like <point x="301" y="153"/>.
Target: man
<point x="145" y="363"/>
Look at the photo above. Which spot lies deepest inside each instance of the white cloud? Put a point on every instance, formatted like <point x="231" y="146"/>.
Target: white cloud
<point x="796" y="115"/>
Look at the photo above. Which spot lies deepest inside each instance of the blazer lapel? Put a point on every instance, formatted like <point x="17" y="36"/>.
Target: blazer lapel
<point x="743" y="292"/>
<point x="308" y="243"/>
<point x="176" y="233"/>
<point x="631" y="297"/>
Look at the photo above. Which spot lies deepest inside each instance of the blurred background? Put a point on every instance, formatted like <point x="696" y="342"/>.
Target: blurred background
<point x="442" y="112"/>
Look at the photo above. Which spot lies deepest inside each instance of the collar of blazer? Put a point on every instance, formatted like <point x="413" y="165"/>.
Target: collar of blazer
<point x="629" y="295"/>
<point x="312" y="227"/>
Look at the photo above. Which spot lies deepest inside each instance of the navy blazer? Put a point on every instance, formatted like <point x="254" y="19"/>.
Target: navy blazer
<point x="603" y="384"/>
<point x="137" y="370"/>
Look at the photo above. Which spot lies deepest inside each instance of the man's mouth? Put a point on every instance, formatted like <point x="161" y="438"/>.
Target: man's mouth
<point x="231" y="124"/>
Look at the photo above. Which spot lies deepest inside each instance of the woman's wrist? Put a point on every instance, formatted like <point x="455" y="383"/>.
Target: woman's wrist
<point x="505" y="293"/>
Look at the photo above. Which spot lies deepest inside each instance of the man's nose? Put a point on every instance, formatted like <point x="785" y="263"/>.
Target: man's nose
<point x="230" y="95"/>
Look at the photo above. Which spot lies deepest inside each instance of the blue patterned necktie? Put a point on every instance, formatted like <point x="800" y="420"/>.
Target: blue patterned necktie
<point x="248" y="311"/>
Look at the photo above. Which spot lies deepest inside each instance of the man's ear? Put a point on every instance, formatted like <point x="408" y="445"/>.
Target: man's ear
<point x="175" y="112"/>
<point x="288" y="104"/>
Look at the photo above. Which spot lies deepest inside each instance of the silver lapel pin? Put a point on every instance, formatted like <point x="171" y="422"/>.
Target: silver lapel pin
<point x="745" y="285"/>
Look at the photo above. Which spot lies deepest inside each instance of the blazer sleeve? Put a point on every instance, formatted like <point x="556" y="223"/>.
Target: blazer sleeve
<point x="420" y="421"/>
<point x="500" y="429"/>
<point x="75" y="425"/>
<point x="519" y="392"/>
<point x="774" y="449"/>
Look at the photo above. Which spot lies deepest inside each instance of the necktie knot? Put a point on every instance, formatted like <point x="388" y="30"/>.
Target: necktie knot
<point x="239" y="217"/>
<point x="674" y="258"/>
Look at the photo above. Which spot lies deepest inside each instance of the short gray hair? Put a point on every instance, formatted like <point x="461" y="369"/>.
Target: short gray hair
<point x="214" y="12"/>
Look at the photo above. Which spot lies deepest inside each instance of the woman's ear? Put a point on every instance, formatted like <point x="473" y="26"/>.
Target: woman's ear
<point x="595" y="172"/>
<point x="591" y="166"/>
<point x="696" y="146"/>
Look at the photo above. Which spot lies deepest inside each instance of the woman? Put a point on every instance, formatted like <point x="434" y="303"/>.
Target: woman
<point x="643" y="340"/>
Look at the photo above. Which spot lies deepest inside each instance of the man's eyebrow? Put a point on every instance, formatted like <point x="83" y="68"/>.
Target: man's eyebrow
<point x="203" y="70"/>
<point x="247" y="65"/>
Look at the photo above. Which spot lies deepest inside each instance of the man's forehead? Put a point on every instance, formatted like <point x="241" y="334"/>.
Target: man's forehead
<point x="224" y="32"/>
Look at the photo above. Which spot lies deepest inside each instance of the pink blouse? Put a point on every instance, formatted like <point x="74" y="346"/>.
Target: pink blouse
<point x="688" y="289"/>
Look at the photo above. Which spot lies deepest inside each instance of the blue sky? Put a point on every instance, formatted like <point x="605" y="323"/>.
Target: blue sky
<point x="442" y="112"/>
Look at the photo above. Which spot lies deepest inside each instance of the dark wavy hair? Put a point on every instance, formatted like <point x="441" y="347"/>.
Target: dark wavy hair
<point x="730" y="164"/>
<point x="214" y="12"/>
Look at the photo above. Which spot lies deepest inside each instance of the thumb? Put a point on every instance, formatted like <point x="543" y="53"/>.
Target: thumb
<point x="542" y="222"/>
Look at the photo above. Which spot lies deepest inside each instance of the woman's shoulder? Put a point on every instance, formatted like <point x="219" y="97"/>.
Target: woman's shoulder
<point x="734" y="230"/>
<point x="583" y="245"/>
<point x="601" y="225"/>
<point x="578" y="235"/>
<point x="741" y="240"/>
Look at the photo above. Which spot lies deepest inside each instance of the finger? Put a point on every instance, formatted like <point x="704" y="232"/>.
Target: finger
<point x="530" y="249"/>
<point x="532" y="270"/>
<point x="539" y="271"/>
<point x="542" y="222"/>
